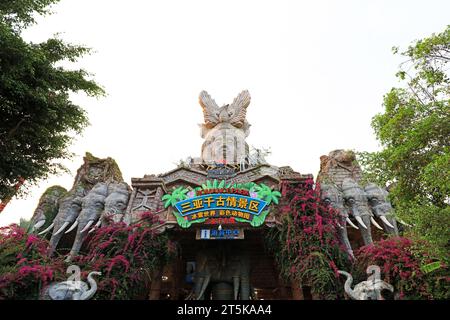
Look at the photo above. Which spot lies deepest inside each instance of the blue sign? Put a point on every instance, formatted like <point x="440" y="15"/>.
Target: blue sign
<point x="214" y="204"/>
<point x="216" y="234"/>
<point x="226" y="233"/>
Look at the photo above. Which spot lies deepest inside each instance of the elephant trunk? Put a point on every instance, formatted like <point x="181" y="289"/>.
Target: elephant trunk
<point x="347" y="285"/>
<point x="79" y="238"/>
<point x="90" y="293"/>
<point x="357" y="215"/>
<point x="362" y="215"/>
<point x="345" y="241"/>
<point x="54" y="240"/>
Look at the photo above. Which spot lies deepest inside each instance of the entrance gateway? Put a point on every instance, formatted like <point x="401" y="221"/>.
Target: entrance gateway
<point x="218" y="208"/>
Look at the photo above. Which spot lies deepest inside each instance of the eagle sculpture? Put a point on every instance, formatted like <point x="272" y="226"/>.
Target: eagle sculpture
<point x="233" y="114"/>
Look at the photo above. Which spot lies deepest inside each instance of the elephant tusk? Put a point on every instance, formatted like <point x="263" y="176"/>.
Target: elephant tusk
<point x="89" y="224"/>
<point x="72" y="226"/>
<point x="385" y="220"/>
<point x="361" y="222"/>
<point x="95" y="226"/>
<point x="351" y="223"/>
<point x="48" y="229"/>
<point x="375" y="223"/>
<point x="62" y="228"/>
<point x="404" y="223"/>
<point x="38" y="225"/>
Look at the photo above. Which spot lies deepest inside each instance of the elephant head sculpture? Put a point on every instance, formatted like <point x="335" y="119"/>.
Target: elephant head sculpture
<point x="227" y="276"/>
<point x="69" y="209"/>
<point x="115" y="203"/>
<point x="357" y="202"/>
<point x="47" y="208"/>
<point x="369" y="289"/>
<point x="333" y="197"/>
<point x="381" y="207"/>
<point x="93" y="205"/>
<point x="72" y="289"/>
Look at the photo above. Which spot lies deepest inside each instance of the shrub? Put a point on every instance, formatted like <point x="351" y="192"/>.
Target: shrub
<point x="126" y="256"/>
<point x="306" y="245"/>
<point x="401" y="261"/>
<point x="24" y="264"/>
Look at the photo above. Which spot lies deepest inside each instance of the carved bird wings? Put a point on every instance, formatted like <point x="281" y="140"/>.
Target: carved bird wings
<point x="234" y="113"/>
<point x="210" y="109"/>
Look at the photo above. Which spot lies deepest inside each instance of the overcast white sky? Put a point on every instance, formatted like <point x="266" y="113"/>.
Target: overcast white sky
<point x="316" y="70"/>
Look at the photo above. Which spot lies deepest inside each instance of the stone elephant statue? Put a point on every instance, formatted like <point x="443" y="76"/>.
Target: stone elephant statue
<point x="381" y="207"/>
<point x="47" y="208"/>
<point x="333" y="197"/>
<point x="92" y="207"/>
<point x="226" y="276"/>
<point x="369" y="289"/>
<point x="356" y="200"/>
<point x="69" y="209"/>
<point x="115" y="203"/>
<point x="105" y="201"/>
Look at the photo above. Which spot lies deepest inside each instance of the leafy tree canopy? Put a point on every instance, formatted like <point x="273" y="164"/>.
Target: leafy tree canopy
<point x="414" y="131"/>
<point x="38" y="119"/>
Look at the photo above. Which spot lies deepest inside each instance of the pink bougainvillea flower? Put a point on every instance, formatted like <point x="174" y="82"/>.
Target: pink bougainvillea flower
<point x="31" y="239"/>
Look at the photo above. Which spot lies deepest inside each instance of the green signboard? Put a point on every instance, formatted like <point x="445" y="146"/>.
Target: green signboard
<point x="217" y="202"/>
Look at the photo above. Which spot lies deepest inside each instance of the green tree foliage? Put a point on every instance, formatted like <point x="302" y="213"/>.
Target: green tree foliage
<point x="414" y="130"/>
<point x="38" y="119"/>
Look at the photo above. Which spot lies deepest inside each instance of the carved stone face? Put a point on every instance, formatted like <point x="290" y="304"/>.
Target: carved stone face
<point x="95" y="173"/>
<point x="224" y="142"/>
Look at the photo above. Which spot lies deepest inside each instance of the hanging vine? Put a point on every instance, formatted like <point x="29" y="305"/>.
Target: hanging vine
<point x="306" y="245"/>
